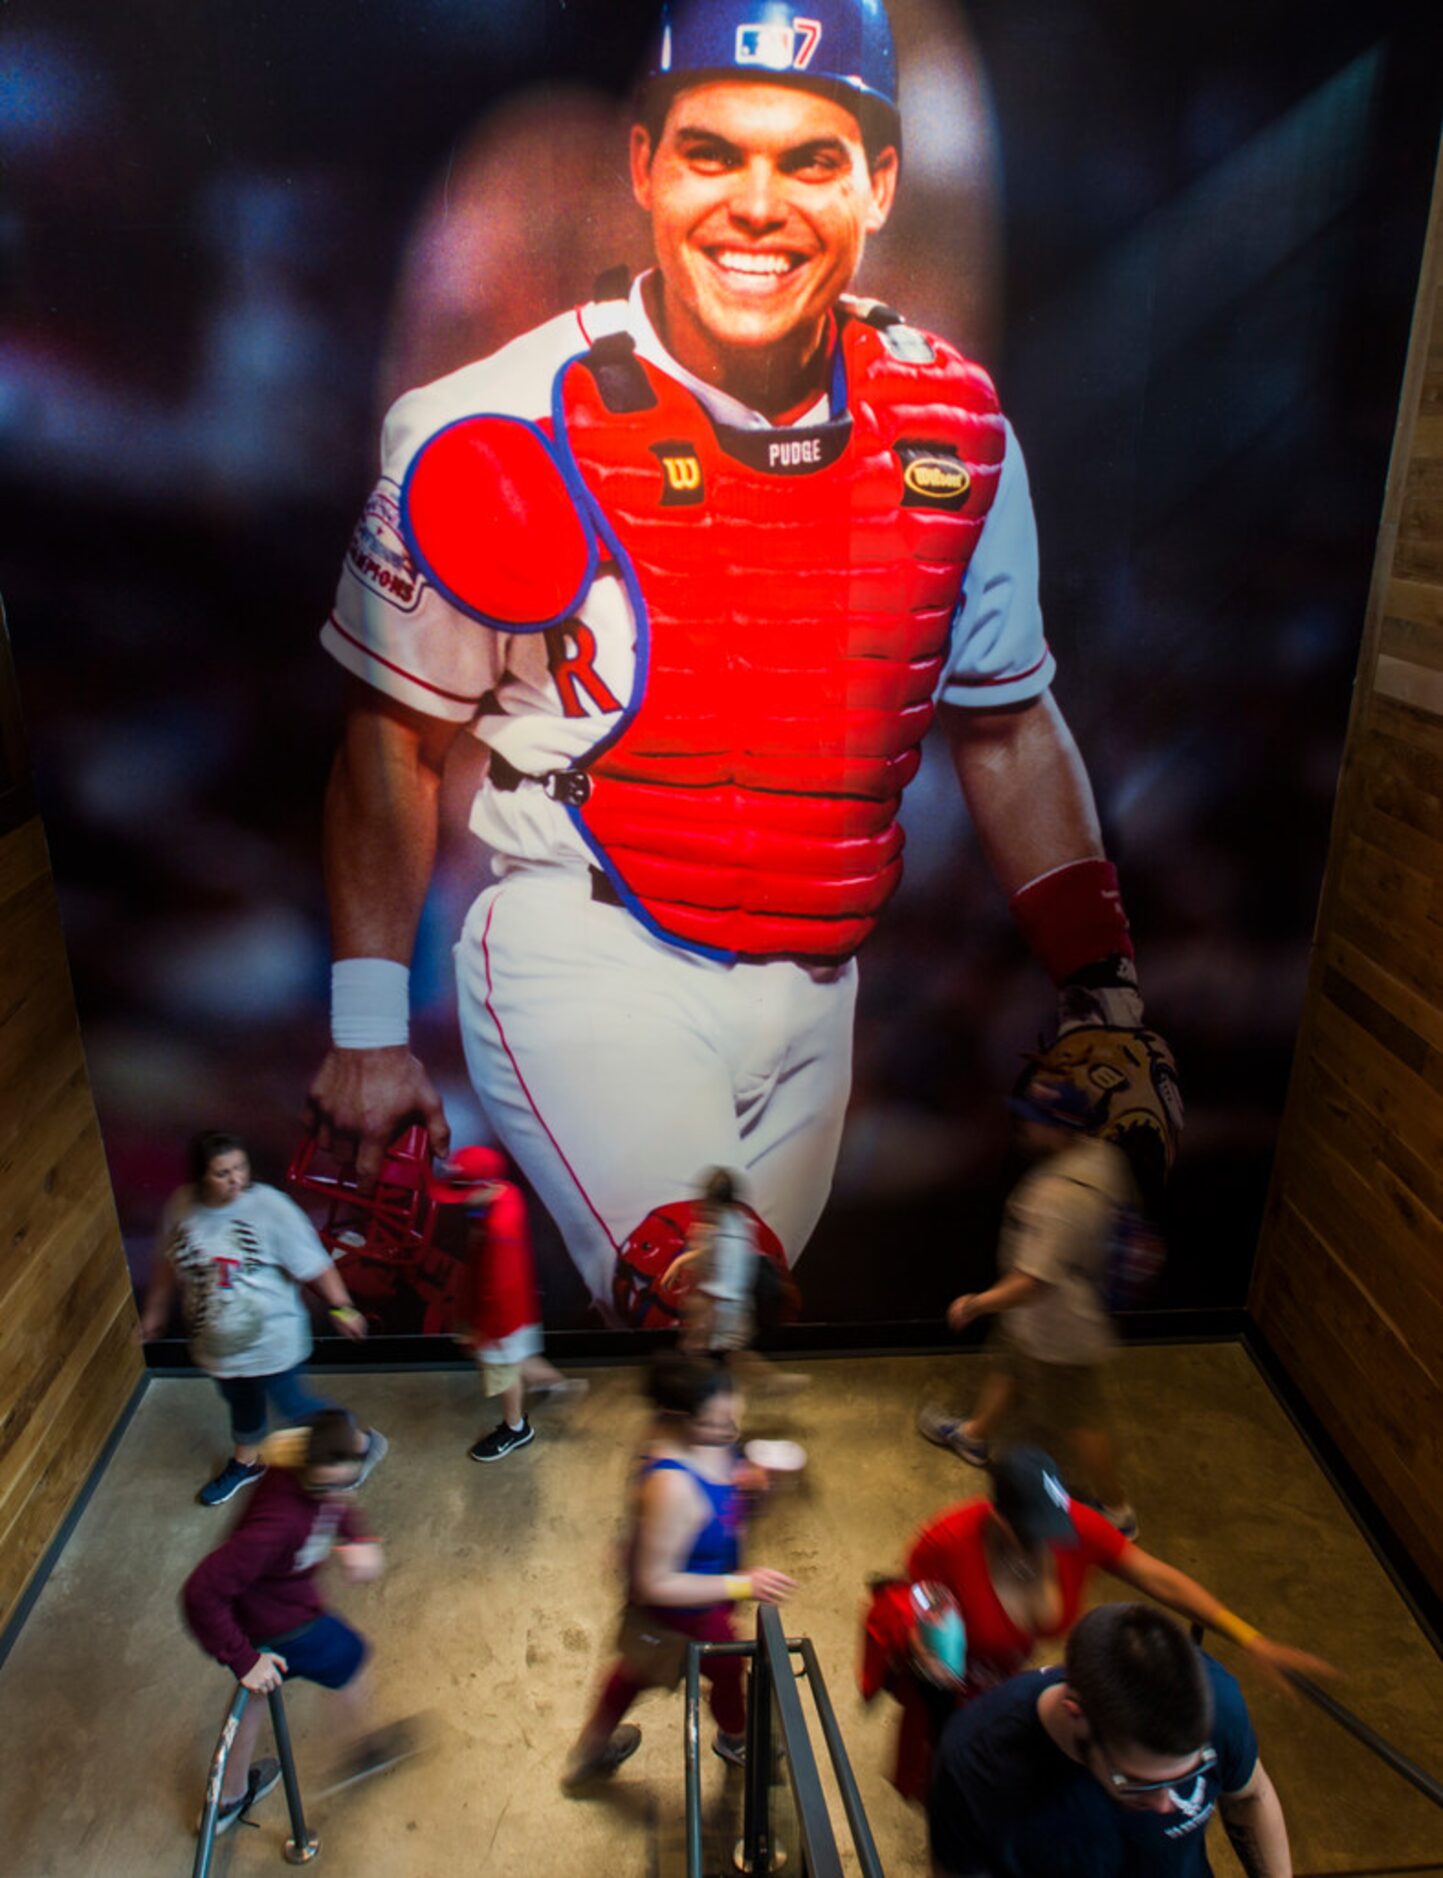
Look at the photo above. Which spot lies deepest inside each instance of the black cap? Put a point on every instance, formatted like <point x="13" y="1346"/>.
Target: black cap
<point x="1027" y="1491"/>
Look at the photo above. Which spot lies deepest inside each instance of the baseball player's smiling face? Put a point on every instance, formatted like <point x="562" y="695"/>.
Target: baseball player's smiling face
<point x="761" y="199"/>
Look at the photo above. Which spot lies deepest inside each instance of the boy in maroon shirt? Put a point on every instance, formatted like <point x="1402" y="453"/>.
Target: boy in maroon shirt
<point x="254" y="1604"/>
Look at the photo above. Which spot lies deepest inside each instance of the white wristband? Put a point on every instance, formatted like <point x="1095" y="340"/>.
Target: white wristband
<point x="370" y="1004"/>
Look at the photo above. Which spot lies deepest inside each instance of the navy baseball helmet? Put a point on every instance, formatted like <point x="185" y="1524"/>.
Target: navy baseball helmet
<point x="842" y="48"/>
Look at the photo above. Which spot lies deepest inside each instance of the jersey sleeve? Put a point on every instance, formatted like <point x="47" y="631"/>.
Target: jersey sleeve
<point x="999" y="654"/>
<point x="389" y="625"/>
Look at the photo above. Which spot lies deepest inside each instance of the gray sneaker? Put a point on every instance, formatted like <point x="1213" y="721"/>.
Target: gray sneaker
<point x="604" y="1762"/>
<point x="377" y="1448"/>
<point x="946" y="1431"/>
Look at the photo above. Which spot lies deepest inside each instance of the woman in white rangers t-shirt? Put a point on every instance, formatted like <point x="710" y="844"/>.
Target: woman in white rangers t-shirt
<point x="240" y="1252"/>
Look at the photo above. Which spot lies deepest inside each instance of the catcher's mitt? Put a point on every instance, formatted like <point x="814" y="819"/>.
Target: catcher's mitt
<point x="1131" y="1080"/>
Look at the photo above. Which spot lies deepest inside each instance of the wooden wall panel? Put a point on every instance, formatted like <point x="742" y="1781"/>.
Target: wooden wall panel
<point x="67" y="1362"/>
<point x="1348" y="1285"/>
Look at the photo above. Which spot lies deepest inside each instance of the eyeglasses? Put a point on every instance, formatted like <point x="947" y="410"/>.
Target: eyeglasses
<point x="1126" y="1788"/>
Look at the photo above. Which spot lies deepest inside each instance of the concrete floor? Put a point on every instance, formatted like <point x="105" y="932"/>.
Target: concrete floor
<point x="500" y="1602"/>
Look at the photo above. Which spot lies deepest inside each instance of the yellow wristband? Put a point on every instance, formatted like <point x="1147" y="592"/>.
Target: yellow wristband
<point x="1233" y="1626"/>
<point x="344" y="1310"/>
<point x="736" y="1587"/>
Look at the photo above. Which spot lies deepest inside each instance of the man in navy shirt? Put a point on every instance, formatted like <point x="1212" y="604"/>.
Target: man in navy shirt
<point x="1109" y="1767"/>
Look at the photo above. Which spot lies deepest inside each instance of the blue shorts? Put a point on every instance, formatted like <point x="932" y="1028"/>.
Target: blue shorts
<point x="326" y="1651"/>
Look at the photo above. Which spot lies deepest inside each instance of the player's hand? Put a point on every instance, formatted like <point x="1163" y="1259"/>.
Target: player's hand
<point x="349" y="1321"/>
<point x="147" y="1329"/>
<point x="360" y="1098"/>
<point x="1126" y="1071"/>
<point x="265" y="1674"/>
<point x="963" y="1311"/>
<point x="361" y="1562"/>
<point x="1275" y="1659"/>
<point x="768" y="1586"/>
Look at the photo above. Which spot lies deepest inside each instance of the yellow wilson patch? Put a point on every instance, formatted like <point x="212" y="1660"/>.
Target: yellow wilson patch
<point x="937" y="478"/>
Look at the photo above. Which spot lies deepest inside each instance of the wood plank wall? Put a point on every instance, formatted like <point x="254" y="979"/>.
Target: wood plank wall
<point x="67" y="1363"/>
<point x="1348" y="1285"/>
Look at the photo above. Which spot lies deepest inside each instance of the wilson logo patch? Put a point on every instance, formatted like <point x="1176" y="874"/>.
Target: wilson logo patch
<point x="681" y="478"/>
<point x="932" y="477"/>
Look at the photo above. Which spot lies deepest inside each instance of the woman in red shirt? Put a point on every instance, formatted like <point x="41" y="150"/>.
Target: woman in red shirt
<point x="1018" y="1567"/>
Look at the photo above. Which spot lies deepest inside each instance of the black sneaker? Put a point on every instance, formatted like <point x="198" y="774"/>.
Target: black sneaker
<point x="604" y="1762"/>
<point x="501" y="1440"/>
<point x="229" y="1481"/>
<point x="731" y="1748"/>
<point x="263" y="1776"/>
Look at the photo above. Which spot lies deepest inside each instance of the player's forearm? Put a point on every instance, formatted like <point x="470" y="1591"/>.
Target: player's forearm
<point x="1027" y="790"/>
<point x="1257" y="1830"/>
<point x="381" y="816"/>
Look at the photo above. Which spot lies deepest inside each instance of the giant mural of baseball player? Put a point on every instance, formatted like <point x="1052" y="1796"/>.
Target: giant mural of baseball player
<point x="697" y="563"/>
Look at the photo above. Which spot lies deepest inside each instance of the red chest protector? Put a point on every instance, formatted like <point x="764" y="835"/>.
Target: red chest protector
<point x="796" y="591"/>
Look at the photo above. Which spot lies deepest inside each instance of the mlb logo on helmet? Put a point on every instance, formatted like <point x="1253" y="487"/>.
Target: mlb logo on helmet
<point x="779" y="45"/>
<point x="841" y="46"/>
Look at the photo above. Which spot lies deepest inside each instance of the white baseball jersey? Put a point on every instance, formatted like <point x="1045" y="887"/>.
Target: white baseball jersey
<point x="392" y="628"/>
<point x="615" y="1066"/>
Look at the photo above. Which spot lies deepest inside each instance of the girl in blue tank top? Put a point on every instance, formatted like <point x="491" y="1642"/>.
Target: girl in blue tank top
<point x="683" y="1576"/>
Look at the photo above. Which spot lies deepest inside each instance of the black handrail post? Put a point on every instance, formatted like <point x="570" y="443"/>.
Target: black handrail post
<point x="693" y="1760"/>
<point x="302" y="1846"/>
<point x="205" y="1844"/>
<point x="756" y="1810"/>
<point x="820" y="1858"/>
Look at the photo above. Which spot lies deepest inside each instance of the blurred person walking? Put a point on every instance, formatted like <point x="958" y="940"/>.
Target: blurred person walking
<point x="240" y="1251"/>
<point x="255" y="1606"/>
<point x="502" y="1312"/>
<point x="1050" y="1350"/>
<point x="690" y="1499"/>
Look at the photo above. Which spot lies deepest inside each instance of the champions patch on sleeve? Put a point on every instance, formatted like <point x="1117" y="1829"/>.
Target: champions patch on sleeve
<point x="378" y="555"/>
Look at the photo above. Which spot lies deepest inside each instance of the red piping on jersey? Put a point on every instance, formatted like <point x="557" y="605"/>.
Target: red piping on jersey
<point x="1005" y="678"/>
<point x="521" y="1080"/>
<point x="422" y="684"/>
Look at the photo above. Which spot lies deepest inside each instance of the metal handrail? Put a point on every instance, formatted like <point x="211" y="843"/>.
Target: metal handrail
<point x="1370" y="1738"/>
<point x="774" y="1678"/>
<point x="302" y="1846"/>
<point x="821" y="1858"/>
<point x="1360" y="1731"/>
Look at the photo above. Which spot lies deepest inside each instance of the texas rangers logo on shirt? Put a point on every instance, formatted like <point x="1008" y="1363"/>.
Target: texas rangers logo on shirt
<point x="777" y="45"/>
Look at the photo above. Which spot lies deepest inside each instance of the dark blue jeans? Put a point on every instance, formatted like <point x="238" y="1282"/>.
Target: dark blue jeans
<point x="246" y="1398"/>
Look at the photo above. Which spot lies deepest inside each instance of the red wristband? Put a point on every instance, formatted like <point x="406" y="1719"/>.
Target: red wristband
<point x="1073" y="917"/>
